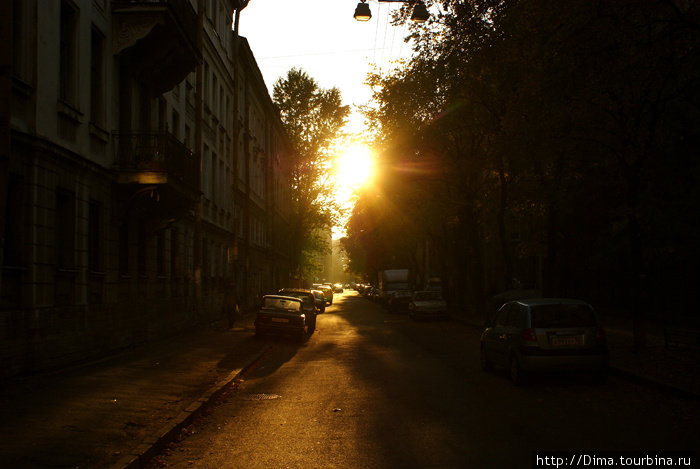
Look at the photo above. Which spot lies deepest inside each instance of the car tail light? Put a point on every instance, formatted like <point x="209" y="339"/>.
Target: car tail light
<point x="528" y="335"/>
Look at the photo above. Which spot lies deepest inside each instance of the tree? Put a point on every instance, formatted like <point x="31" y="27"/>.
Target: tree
<point x="577" y="118"/>
<point x="313" y="118"/>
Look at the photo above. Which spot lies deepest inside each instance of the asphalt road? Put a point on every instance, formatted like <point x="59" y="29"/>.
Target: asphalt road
<point x="375" y="390"/>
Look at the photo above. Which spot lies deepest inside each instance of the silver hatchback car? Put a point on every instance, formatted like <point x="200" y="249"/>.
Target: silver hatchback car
<point x="545" y="334"/>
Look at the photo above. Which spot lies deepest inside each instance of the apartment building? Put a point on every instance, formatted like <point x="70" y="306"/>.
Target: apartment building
<point x="146" y="176"/>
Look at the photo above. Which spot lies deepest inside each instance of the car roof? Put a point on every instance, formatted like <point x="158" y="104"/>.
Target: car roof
<point x="294" y="290"/>
<point x="282" y="297"/>
<point x="549" y="301"/>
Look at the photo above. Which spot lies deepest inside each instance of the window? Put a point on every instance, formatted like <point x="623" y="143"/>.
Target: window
<point x="220" y="105"/>
<point x="214" y="95"/>
<point x="514" y="316"/>
<point x="241" y="160"/>
<point x="124" y="249"/>
<point x="176" y="125"/>
<point x="205" y="173"/>
<point x="160" y="253"/>
<point x="97" y="77"/>
<point x="227" y="115"/>
<point x="205" y="258"/>
<point x="206" y="84"/>
<point x="68" y="57"/>
<point x="174" y="253"/>
<point x="212" y="175"/>
<point x="222" y="185"/>
<point x="142" y="248"/>
<point x="14" y="230"/>
<point x="502" y="316"/>
<point x="94" y="211"/>
<point x="65" y="229"/>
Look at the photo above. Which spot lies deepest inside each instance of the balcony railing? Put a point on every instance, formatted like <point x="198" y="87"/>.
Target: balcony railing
<point x="158" y="152"/>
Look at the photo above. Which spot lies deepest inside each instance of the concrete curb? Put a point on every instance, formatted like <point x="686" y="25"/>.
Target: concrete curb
<point x="141" y="456"/>
<point x="639" y="378"/>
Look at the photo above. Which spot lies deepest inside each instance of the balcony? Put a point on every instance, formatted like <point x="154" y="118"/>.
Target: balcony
<point x="157" y="175"/>
<point x="157" y="39"/>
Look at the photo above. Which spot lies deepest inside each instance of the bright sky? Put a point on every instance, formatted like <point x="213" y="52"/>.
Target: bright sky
<point x="322" y="38"/>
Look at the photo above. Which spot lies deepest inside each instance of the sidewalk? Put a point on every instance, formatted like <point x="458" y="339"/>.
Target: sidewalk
<point x="673" y="370"/>
<point x="113" y="413"/>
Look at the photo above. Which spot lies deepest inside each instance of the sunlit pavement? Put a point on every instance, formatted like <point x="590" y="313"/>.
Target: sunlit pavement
<point x="375" y="390"/>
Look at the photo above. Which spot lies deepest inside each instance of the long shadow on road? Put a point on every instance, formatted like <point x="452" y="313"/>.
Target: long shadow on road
<point x="431" y="405"/>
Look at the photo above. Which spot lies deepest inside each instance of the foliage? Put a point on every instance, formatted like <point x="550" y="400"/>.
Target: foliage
<point x="313" y="118"/>
<point x="569" y="124"/>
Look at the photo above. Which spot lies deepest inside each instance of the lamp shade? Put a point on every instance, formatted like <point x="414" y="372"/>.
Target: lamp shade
<point x="362" y="12"/>
<point x="420" y="13"/>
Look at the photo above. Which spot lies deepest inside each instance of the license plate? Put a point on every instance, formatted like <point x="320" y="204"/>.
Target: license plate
<point x="566" y="340"/>
<point x="280" y="320"/>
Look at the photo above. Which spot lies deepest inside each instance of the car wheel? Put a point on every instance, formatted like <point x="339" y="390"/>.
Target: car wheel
<point x="302" y="336"/>
<point x="486" y="363"/>
<point x="515" y="371"/>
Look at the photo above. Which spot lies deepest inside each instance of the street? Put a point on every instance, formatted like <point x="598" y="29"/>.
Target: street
<point x="371" y="389"/>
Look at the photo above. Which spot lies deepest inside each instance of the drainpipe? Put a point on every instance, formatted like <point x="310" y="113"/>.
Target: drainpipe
<point x="5" y="96"/>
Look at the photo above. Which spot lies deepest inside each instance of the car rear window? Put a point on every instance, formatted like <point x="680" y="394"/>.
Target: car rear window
<point x="306" y="298"/>
<point x="428" y="296"/>
<point x="282" y="303"/>
<point x="544" y="316"/>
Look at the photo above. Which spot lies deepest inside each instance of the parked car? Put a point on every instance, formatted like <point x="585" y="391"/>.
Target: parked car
<point x="308" y="303"/>
<point x="427" y="304"/>
<point x="545" y="334"/>
<point x="282" y="314"/>
<point x="337" y="288"/>
<point x="320" y="300"/>
<point x="398" y="303"/>
<point x="327" y="292"/>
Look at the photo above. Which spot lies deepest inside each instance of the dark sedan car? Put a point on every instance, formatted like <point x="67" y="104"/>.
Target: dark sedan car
<point x="308" y="303"/>
<point x="284" y="315"/>
<point x="545" y="334"/>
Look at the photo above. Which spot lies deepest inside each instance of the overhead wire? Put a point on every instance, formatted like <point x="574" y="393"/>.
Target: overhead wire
<point x="386" y="27"/>
<point x="376" y="31"/>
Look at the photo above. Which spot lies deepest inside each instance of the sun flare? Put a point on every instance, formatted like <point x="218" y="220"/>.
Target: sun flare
<point x="354" y="167"/>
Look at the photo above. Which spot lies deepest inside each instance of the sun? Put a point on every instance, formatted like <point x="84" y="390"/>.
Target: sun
<point x="354" y="167"/>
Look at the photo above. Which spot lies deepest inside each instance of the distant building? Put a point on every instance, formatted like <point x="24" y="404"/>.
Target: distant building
<point x="145" y="175"/>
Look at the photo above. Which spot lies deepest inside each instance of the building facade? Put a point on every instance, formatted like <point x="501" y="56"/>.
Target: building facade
<point x="144" y="176"/>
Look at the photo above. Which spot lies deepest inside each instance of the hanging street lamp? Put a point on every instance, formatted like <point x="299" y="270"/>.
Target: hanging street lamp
<point x="420" y="11"/>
